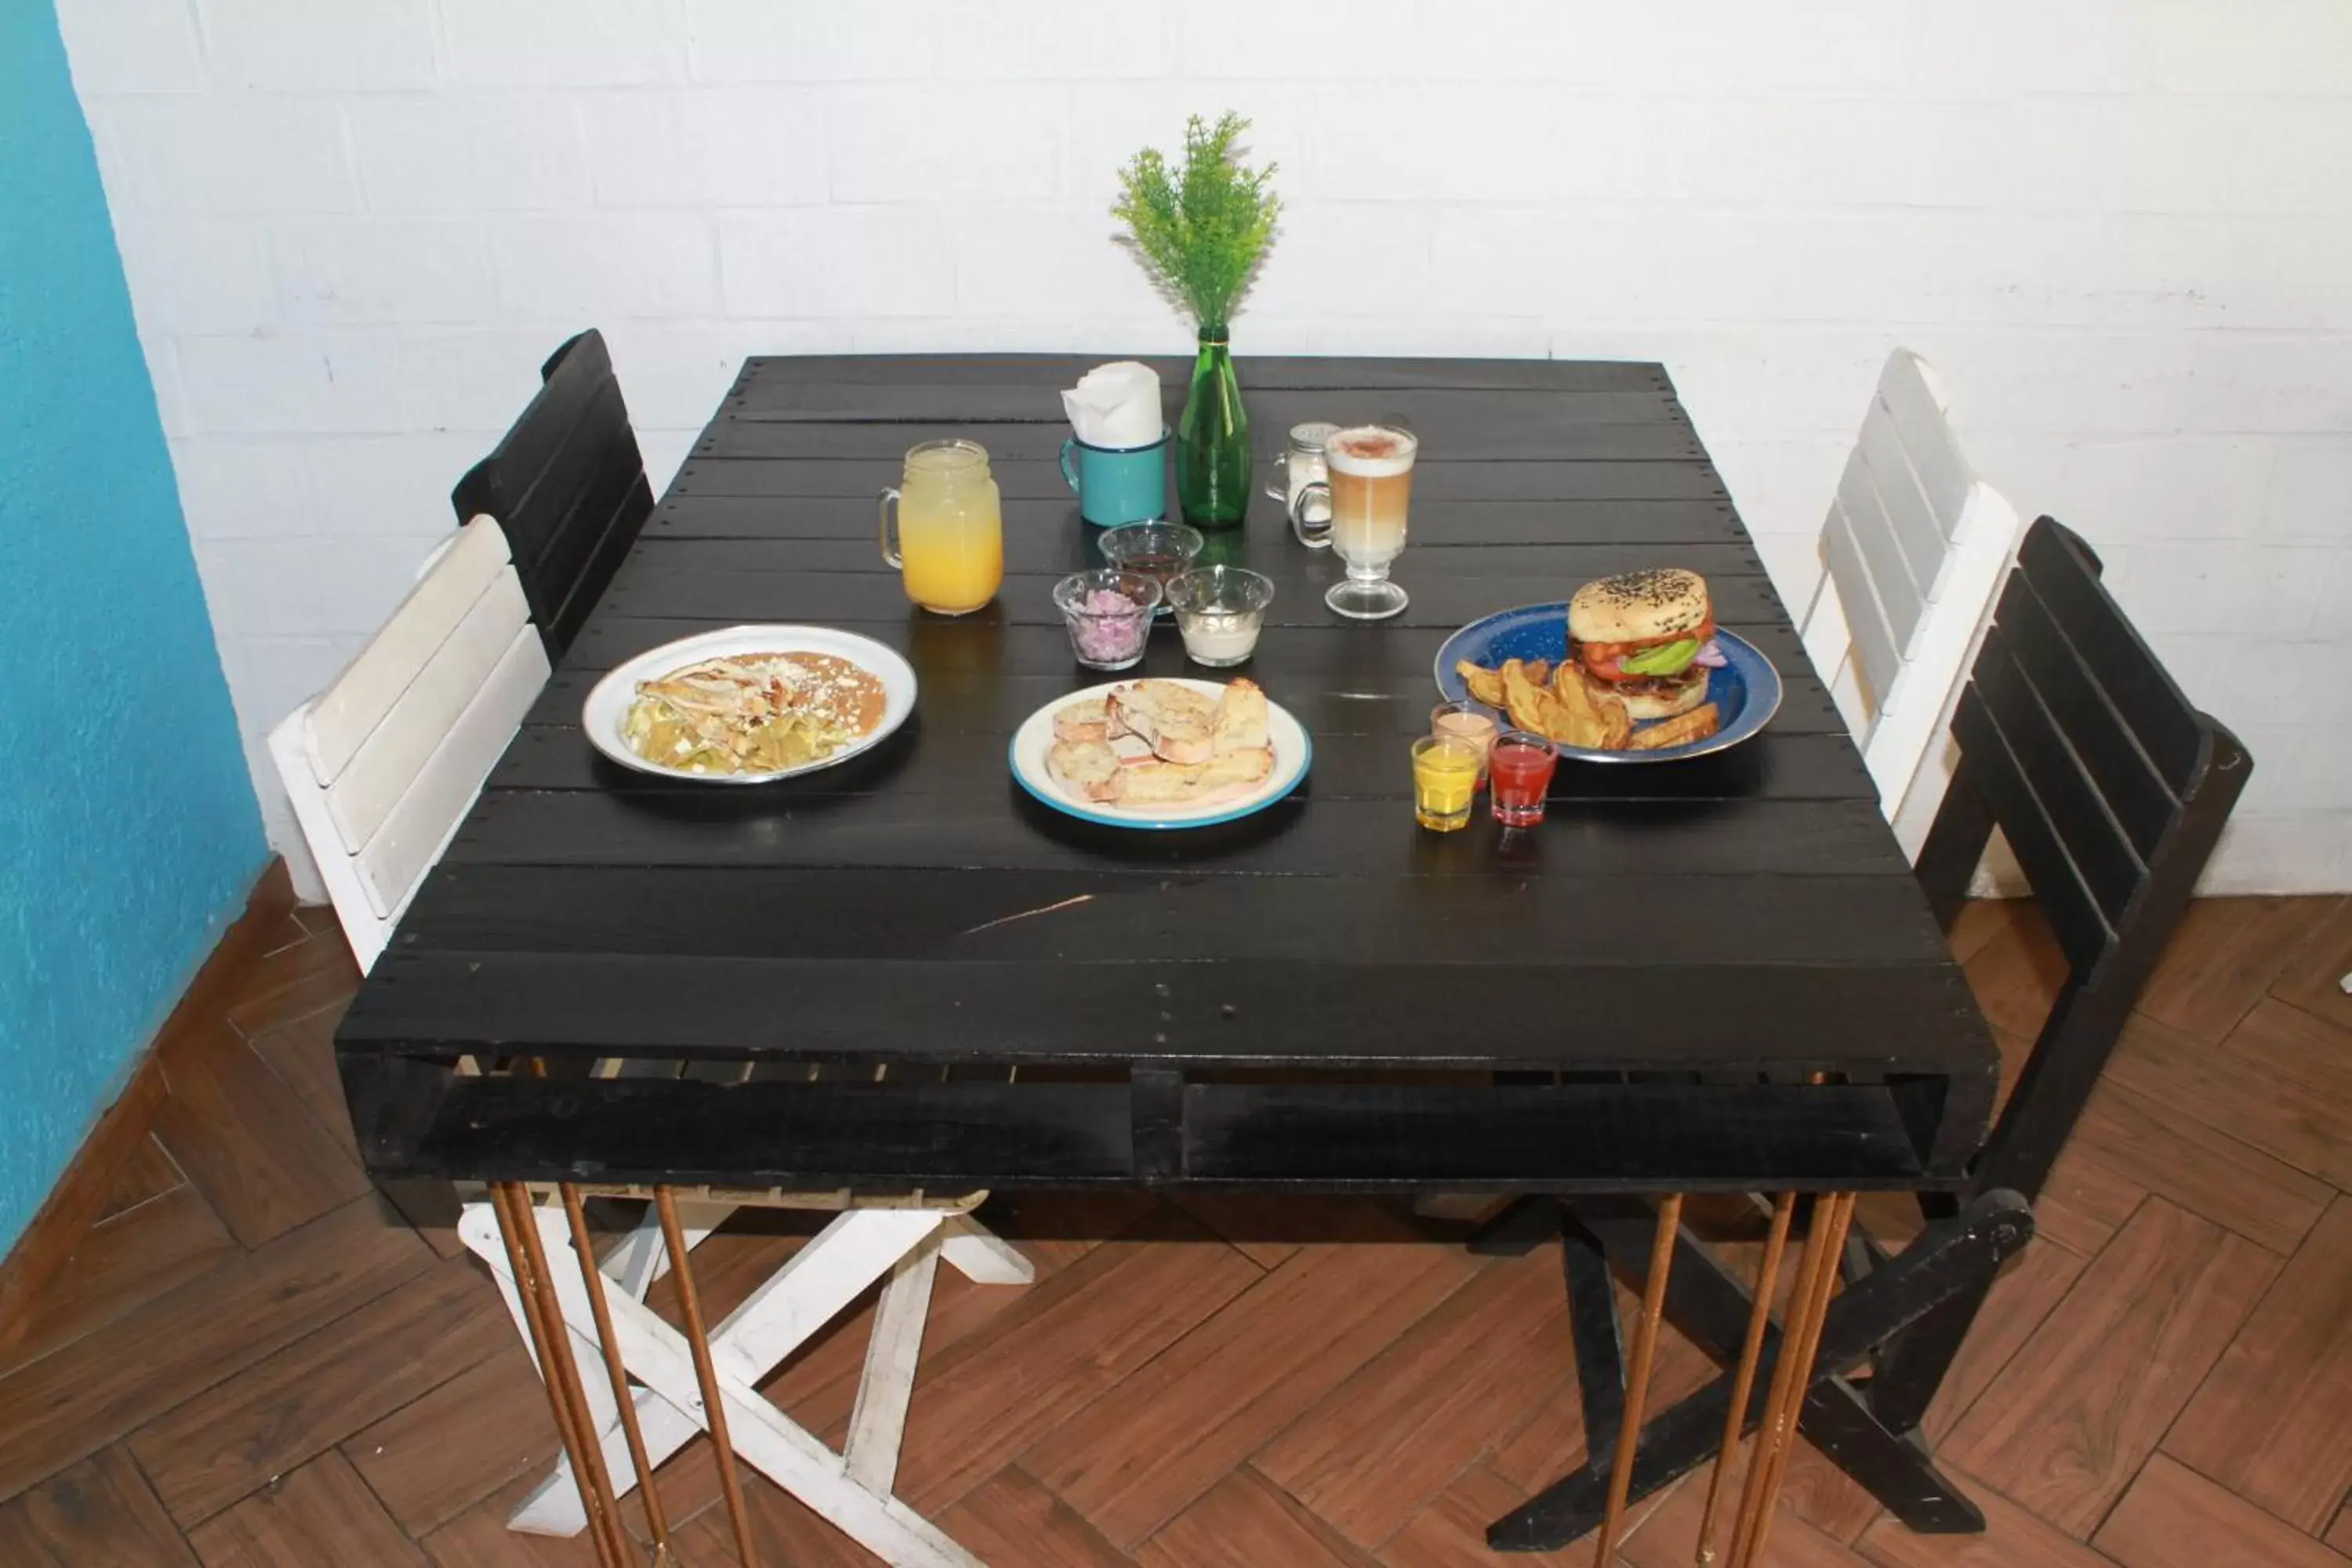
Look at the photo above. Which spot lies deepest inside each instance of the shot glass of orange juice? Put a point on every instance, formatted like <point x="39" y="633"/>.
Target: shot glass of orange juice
<point x="1445" y="778"/>
<point x="949" y="542"/>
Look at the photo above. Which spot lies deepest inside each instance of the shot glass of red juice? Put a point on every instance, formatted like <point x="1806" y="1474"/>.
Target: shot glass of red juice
<point x="1519" y="771"/>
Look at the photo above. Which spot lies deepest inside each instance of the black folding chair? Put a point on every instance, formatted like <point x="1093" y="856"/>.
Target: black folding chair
<point x="568" y="485"/>
<point x="2111" y="789"/>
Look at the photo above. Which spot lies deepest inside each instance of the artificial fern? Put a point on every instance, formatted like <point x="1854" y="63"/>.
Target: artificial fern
<point x="1200" y="231"/>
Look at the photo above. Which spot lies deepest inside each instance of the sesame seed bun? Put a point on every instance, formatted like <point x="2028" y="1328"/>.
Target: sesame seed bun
<point x="1657" y="606"/>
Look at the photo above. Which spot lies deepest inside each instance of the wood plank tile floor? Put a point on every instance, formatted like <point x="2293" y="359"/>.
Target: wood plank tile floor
<point x="255" y="1361"/>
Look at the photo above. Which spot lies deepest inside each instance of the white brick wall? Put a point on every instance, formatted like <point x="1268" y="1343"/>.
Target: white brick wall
<point x="2122" y="229"/>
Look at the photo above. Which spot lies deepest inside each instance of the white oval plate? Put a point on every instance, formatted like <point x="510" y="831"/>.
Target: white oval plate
<point x="608" y="703"/>
<point x="1292" y="753"/>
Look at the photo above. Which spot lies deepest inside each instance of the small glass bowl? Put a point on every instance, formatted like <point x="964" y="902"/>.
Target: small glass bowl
<point x="1219" y="610"/>
<point x="1109" y="616"/>
<point x="1160" y="550"/>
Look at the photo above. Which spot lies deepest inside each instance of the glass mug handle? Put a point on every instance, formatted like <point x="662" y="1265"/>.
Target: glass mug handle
<point x="1315" y="536"/>
<point x="882" y="515"/>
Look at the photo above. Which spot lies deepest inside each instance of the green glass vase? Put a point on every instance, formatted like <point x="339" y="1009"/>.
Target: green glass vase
<point x="1213" y="449"/>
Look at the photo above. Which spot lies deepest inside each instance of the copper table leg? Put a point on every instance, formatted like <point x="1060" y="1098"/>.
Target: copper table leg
<point x="591" y="1279"/>
<point x="1743" y="1380"/>
<point x="1637" y="1376"/>
<point x="714" y="1405"/>
<point x="552" y="1339"/>
<point x="1793" y="1376"/>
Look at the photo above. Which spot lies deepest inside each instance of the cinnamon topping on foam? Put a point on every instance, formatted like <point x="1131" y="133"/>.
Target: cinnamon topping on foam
<point x="1370" y="451"/>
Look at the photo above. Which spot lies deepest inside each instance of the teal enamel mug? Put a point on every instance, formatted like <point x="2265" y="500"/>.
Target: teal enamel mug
<point x="1117" y="484"/>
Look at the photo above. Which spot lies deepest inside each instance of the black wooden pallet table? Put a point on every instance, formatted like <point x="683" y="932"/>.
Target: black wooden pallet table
<point x="1715" y="976"/>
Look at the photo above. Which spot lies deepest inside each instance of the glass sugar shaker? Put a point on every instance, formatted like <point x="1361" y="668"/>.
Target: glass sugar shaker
<point x="1303" y="465"/>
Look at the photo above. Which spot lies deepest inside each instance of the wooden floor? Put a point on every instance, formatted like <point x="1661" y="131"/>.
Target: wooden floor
<point x="253" y="1361"/>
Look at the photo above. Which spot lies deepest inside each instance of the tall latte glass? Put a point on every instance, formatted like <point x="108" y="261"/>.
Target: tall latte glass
<point x="1369" y="492"/>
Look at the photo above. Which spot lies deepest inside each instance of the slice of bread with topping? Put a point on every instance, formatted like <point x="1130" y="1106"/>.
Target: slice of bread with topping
<point x="1086" y="721"/>
<point x="1086" y="768"/>
<point x="1179" y="723"/>
<point x="1241" y="719"/>
<point x="1202" y="783"/>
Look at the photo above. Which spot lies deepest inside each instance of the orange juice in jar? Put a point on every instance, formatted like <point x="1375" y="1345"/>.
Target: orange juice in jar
<point x="949" y="543"/>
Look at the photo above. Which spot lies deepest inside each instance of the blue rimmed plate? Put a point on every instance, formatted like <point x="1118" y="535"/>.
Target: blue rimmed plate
<point x="1746" y="691"/>
<point x="1292" y="753"/>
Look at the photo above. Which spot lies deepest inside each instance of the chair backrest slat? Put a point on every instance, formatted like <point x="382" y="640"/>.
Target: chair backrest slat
<point x="1877" y="642"/>
<point x="417" y="828"/>
<point x="2127" y="778"/>
<point x="389" y="761"/>
<point x="1913" y="399"/>
<point x="1914" y="546"/>
<point x="1915" y="540"/>
<point x="2068" y="796"/>
<point x="341" y="718"/>
<point x="2066" y="575"/>
<point x="568" y="485"/>
<point x="380" y="766"/>
<point x="605" y="514"/>
<point x="1997" y="771"/>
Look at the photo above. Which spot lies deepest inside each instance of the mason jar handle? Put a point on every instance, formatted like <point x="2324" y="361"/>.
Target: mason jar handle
<point x="1298" y="506"/>
<point x="889" y="533"/>
<point x="1069" y="471"/>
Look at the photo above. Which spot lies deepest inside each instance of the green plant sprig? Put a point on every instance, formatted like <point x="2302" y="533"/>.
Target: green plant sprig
<point x="1200" y="231"/>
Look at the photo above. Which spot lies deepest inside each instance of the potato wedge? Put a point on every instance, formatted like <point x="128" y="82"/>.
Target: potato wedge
<point x="1616" y="722"/>
<point x="1584" y="723"/>
<point x="1679" y="731"/>
<point x="1539" y="670"/>
<point x="1484" y="685"/>
<point x="1523" y="699"/>
<point x="1569" y="686"/>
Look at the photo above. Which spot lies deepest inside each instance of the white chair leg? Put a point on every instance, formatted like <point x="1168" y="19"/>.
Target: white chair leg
<point x="643" y="1258"/>
<point x="855" y="1250"/>
<point x="879" y="1420"/>
<point x="478" y="1227"/>
<point x="981" y="1256"/>
<point x="809" y="1290"/>
<point x="768" y="1440"/>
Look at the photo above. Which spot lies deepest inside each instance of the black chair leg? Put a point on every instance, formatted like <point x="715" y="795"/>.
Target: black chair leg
<point x="1951" y="1260"/>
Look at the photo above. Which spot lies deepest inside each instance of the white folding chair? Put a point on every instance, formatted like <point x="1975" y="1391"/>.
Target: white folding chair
<point x="382" y="765"/>
<point x="1916" y="546"/>
<point x="899" y="1242"/>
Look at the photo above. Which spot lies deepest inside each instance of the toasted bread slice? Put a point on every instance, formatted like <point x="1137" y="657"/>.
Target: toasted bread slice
<point x="1180" y="724"/>
<point x="1202" y="783"/>
<point x="1132" y="750"/>
<point x="1241" y="718"/>
<point x="1085" y="768"/>
<point x="1086" y="721"/>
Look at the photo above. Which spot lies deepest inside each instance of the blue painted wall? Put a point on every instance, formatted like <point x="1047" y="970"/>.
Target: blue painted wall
<point x="128" y="831"/>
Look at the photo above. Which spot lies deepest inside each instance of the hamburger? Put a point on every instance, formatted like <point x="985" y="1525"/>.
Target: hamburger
<point x="1648" y="637"/>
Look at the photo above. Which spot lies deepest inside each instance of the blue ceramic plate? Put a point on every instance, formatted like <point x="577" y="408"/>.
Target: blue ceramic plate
<point x="1746" y="691"/>
<point x="1293" y="752"/>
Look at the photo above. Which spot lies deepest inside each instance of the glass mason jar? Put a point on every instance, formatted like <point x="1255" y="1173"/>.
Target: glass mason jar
<point x="1212" y="451"/>
<point x="949" y="538"/>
